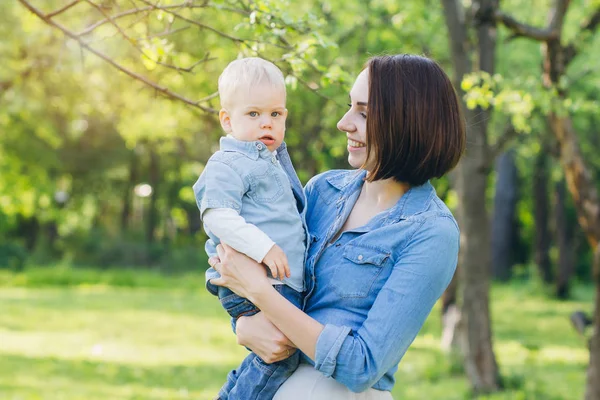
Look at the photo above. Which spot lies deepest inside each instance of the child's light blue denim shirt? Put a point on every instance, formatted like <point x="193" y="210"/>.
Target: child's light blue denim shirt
<point x="246" y="177"/>
<point x="375" y="285"/>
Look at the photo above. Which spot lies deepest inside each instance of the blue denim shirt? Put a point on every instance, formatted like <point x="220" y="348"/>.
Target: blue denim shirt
<point x="375" y="285"/>
<point x="246" y="177"/>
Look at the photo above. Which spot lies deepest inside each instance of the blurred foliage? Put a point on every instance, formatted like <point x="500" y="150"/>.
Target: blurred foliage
<point x="77" y="136"/>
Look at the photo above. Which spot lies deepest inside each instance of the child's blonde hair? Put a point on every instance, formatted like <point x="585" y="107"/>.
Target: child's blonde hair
<point x="246" y="73"/>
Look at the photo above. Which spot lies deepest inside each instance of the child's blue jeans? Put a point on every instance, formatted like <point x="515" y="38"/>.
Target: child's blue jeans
<point x="254" y="379"/>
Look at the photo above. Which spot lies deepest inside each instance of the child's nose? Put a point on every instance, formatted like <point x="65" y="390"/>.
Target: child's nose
<point x="265" y="122"/>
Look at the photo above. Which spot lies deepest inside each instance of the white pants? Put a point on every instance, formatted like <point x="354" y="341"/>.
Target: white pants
<point x="309" y="384"/>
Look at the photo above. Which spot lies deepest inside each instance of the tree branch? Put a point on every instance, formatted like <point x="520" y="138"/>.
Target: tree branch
<point x="160" y="89"/>
<point x="558" y="14"/>
<point x="136" y="47"/>
<point x="520" y="29"/>
<point x="134" y="11"/>
<point x="63" y="9"/>
<point x="196" y="23"/>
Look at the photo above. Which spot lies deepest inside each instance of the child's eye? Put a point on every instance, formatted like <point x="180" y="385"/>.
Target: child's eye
<point x="253" y="114"/>
<point x="275" y="114"/>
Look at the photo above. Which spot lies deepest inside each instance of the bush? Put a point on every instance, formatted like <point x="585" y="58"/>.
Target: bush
<point x="12" y="256"/>
<point x="99" y="249"/>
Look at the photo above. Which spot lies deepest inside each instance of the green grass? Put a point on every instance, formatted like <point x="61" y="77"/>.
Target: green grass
<point x="68" y="334"/>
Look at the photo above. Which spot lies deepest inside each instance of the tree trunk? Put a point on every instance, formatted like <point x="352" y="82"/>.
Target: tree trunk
<point x="564" y="242"/>
<point x="503" y="223"/>
<point x="578" y="177"/>
<point x="592" y="389"/>
<point x="474" y="329"/>
<point x="541" y="215"/>
<point x="583" y="192"/>
<point x="127" y="193"/>
<point x="152" y="210"/>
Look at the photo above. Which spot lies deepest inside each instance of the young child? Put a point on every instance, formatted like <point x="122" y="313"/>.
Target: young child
<point x="246" y="201"/>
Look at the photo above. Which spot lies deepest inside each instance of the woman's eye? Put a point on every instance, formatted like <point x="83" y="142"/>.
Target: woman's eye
<point x="364" y="115"/>
<point x="253" y="114"/>
<point x="349" y="105"/>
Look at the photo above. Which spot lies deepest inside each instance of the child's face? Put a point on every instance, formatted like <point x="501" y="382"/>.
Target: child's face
<point x="257" y="114"/>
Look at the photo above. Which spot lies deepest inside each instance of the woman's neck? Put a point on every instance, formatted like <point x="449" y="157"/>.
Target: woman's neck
<point x="383" y="193"/>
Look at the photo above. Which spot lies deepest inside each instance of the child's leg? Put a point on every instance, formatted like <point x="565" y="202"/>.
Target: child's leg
<point x="235" y="305"/>
<point x="256" y="380"/>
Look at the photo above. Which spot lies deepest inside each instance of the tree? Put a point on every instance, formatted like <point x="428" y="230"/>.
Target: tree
<point x="558" y="56"/>
<point x="474" y="328"/>
<point x="541" y="210"/>
<point x="504" y="229"/>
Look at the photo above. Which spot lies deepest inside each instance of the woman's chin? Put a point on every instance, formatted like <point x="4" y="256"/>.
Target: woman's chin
<point x="355" y="163"/>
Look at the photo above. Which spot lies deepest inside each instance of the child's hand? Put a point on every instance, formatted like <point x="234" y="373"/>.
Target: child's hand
<point x="277" y="262"/>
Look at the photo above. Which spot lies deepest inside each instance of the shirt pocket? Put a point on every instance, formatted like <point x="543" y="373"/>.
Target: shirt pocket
<point x="265" y="185"/>
<point x="358" y="270"/>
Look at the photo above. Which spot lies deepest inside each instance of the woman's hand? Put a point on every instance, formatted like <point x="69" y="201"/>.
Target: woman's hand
<point x="263" y="338"/>
<point x="239" y="272"/>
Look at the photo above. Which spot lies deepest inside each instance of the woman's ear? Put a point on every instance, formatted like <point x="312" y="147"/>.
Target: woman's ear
<point x="225" y="120"/>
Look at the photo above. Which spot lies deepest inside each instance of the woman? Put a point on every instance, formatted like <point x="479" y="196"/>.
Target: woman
<point x="383" y="246"/>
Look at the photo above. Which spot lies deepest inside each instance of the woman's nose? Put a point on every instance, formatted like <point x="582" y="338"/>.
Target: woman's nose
<point x="345" y="125"/>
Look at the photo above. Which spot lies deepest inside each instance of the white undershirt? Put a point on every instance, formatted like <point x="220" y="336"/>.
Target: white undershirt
<point x="232" y="229"/>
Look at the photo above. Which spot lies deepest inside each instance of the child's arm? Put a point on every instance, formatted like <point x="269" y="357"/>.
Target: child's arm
<point x="232" y="229"/>
<point x="221" y="187"/>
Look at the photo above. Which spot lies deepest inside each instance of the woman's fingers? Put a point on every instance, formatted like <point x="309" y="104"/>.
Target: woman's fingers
<point x="218" y="281"/>
<point x="212" y="261"/>
<point x="279" y="355"/>
<point x="221" y="251"/>
<point x="226" y="246"/>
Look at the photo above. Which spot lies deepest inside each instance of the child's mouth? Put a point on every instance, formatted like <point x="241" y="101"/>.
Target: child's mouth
<point x="267" y="140"/>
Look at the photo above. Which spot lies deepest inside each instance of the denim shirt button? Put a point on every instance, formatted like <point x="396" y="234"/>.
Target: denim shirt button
<point x="259" y="146"/>
<point x="360" y="257"/>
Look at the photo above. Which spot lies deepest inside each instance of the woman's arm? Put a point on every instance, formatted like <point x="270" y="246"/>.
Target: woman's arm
<point x="247" y="278"/>
<point x="264" y="339"/>
<point x="359" y="359"/>
<point x="420" y="276"/>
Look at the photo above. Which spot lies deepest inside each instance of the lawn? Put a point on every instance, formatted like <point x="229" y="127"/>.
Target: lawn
<point x="125" y="335"/>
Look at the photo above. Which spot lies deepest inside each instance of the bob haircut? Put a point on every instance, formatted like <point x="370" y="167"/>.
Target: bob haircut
<point x="415" y="128"/>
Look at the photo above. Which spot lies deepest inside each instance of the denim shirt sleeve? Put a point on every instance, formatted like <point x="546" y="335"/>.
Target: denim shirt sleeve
<point x="423" y="271"/>
<point x="219" y="186"/>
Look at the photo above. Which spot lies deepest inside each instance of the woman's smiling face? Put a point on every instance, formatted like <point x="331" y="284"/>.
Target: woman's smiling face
<point x="354" y="122"/>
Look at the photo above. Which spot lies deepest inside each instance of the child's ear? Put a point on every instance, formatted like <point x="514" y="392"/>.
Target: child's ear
<point x="225" y="120"/>
<point x="285" y="112"/>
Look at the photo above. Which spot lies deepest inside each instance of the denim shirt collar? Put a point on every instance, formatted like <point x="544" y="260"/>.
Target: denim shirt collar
<point x="416" y="200"/>
<point x="252" y="150"/>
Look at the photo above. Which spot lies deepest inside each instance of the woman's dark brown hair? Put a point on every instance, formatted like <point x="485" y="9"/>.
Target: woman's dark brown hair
<point x="415" y="128"/>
